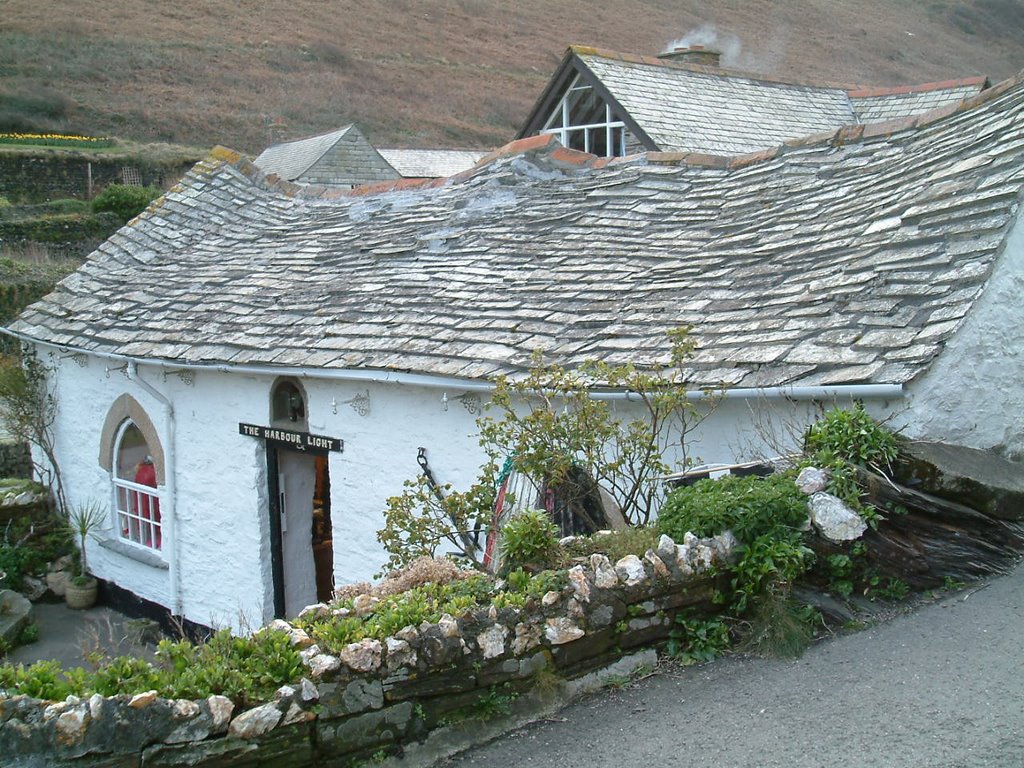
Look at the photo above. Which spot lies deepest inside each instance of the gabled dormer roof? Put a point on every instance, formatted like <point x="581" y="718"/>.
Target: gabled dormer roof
<point x="674" y="106"/>
<point x="343" y="157"/>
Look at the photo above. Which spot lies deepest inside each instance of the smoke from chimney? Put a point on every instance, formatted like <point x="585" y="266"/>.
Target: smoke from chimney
<point x="706" y="35"/>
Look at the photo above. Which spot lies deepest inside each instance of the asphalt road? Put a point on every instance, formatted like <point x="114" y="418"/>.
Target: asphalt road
<point x="942" y="687"/>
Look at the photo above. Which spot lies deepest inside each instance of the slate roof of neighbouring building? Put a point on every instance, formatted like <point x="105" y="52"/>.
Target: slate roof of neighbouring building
<point x="291" y="159"/>
<point x="849" y="257"/>
<point x="682" y="107"/>
<point x="431" y="163"/>
<point x="340" y="158"/>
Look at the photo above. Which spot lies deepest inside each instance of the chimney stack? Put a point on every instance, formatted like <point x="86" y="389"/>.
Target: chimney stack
<point x="695" y="54"/>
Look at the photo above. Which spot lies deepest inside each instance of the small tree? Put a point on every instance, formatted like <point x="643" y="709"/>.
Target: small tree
<point x="28" y="410"/>
<point x="84" y="521"/>
<point x="549" y="426"/>
<point x="126" y="201"/>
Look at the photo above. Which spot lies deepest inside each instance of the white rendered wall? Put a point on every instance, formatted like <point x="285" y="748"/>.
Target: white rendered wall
<point x="221" y="504"/>
<point x="973" y="394"/>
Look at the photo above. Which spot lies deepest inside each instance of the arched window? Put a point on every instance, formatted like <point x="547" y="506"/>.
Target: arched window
<point x="288" y="405"/>
<point x="137" y="499"/>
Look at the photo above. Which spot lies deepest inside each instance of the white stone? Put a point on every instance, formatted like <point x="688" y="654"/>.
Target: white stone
<point x="580" y="583"/>
<point x="683" y="560"/>
<point x="96" y="702"/>
<point x="185" y="709"/>
<point x="315" y="611"/>
<point x="666" y="548"/>
<point x="661" y="570"/>
<point x="71" y="725"/>
<point x="221" y="709"/>
<point x="527" y="638"/>
<point x="604" y="573"/>
<point x="308" y="693"/>
<point x="836" y="521"/>
<point x="284" y="692"/>
<point x="364" y="656"/>
<point x="399" y="653"/>
<point x="561" y="630"/>
<point x="725" y="543"/>
<point x="550" y="598"/>
<point x="449" y="626"/>
<point x="141" y="700"/>
<point x="323" y="664"/>
<point x="703" y="557"/>
<point x="631" y="570"/>
<point x="306" y="654"/>
<point x="811" y="480"/>
<point x="255" y="722"/>
<point x="363" y="605"/>
<point x="492" y="641"/>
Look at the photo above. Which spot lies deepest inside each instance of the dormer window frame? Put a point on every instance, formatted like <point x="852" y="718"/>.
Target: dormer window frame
<point x="559" y="122"/>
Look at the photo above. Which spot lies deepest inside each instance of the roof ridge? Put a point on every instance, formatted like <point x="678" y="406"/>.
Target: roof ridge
<point x="939" y="85"/>
<point x="632" y="58"/>
<point x="548" y="145"/>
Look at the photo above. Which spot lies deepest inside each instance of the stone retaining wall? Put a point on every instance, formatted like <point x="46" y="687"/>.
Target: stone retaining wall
<point x="28" y="178"/>
<point x="378" y="695"/>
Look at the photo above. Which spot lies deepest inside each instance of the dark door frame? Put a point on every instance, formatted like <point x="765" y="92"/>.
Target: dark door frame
<point x="276" y="549"/>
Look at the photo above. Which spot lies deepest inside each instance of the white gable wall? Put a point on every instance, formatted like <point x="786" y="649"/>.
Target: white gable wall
<point x="973" y="394"/>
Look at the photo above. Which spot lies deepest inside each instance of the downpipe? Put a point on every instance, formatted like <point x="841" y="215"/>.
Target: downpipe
<point x="170" y="475"/>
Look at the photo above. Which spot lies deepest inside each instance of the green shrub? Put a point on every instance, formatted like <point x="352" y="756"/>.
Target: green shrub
<point x="695" y="640"/>
<point x="26" y="546"/>
<point x="245" y="669"/>
<point x="530" y="541"/>
<point x="853" y="436"/>
<point x="748" y="506"/>
<point x="617" y="544"/>
<point x="779" y="626"/>
<point x="125" y="200"/>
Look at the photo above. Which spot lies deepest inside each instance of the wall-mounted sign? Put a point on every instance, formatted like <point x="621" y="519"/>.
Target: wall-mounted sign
<point x="299" y="441"/>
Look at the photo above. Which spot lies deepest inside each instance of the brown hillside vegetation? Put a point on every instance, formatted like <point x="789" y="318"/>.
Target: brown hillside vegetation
<point x="434" y="72"/>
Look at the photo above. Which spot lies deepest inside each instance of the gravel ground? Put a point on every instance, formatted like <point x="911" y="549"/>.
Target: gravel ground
<point x="942" y="687"/>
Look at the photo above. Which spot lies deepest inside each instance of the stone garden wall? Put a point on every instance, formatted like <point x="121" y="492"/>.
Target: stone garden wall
<point x="377" y="695"/>
<point x="28" y="178"/>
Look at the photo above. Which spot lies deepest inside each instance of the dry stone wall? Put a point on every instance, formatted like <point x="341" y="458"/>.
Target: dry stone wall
<point x="377" y="694"/>
<point x="28" y="178"/>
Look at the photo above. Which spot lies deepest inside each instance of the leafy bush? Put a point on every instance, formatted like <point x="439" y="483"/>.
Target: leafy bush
<point x="245" y="669"/>
<point x="695" y="640"/>
<point x="124" y="200"/>
<point x="26" y="547"/>
<point x="530" y="542"/>
<point x="748" y="506"/>
<point x="842" y="440"/>
<point x="853" y="436"/>
<point x="766" y="515"/>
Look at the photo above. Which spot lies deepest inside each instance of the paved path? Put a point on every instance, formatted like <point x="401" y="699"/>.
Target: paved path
<point x="68" y="636"/>
<point x="940" y="688"/>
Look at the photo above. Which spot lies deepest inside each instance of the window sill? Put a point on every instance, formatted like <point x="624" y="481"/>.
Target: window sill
<point x="150" y="558"/>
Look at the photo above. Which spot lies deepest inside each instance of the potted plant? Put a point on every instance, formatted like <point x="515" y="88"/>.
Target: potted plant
<point x="80" y="591"/>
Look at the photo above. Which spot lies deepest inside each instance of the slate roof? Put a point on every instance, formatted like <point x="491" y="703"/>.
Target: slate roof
<point x="291" y="159"/>
<point x="680" y="107"/>
<point x="849" y="257"/>
<point x="431" y="163"/>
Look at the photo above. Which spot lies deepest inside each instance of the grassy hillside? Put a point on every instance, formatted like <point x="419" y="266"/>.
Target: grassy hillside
<point x="433" y="72"/>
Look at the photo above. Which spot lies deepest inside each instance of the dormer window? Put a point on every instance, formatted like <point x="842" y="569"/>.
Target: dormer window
<point x="584" y="121"/>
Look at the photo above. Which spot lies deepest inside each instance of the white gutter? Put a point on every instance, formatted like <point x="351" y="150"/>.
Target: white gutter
<point x="363" y="375"/>
<point x="169" y="517"/>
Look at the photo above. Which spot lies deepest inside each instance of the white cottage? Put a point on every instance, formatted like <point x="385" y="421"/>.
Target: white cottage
<point x="282" y="352"/>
